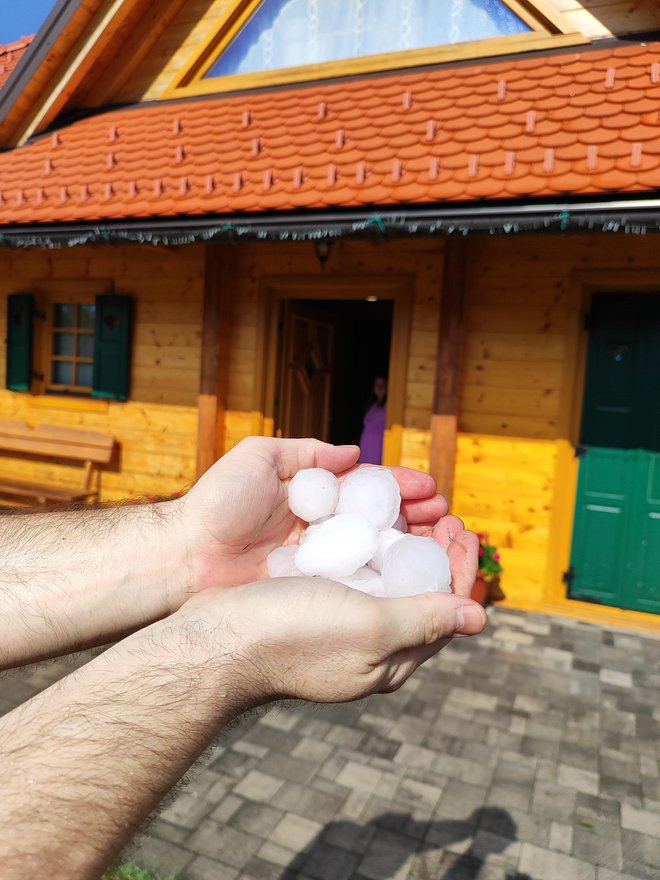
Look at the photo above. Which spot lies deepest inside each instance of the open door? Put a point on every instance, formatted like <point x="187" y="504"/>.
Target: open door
<point x="615" y="558"/>
<point x="305" y="388"/>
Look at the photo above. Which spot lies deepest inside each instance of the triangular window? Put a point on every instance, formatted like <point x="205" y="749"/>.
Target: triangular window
<point x="266" y="42"/>
<point x="296" y="33"/>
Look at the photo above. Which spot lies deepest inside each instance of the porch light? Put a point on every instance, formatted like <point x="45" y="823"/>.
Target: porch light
<point x="323" y="249"/>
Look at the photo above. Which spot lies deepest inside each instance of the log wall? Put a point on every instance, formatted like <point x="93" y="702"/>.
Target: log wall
<point x="157" y="427"/>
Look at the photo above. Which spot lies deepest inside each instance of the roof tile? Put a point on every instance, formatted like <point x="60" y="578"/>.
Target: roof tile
<point x="537" y="126"/>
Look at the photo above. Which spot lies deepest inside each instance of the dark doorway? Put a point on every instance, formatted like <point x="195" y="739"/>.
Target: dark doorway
<point x="361" y="345"/>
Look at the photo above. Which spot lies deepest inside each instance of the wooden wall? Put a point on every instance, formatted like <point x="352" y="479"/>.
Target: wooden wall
<point x="524" y="303"/>
<point x="175" y="49"/>
<point x="157" y="427"/>
<point x="419" y="258"/>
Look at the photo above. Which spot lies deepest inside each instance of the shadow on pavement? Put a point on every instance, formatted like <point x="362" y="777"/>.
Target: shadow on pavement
<point x="379" y="848"/>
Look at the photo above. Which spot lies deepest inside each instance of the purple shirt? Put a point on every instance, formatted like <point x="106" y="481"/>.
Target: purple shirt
<point x="371" y="441"/>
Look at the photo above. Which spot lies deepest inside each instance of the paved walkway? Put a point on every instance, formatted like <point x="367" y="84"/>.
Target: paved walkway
<point x="529" y="753"/>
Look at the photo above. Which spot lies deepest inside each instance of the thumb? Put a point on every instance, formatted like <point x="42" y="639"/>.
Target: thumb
<point x="430" y="617"/>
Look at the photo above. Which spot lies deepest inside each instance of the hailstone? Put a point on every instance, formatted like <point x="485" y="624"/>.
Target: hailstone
<point x="415" y="565"/>
<point x="338" y="547"/>
<point x="372" y="493"/>
<point x="385" y="540"/>
<point x="313" y="494"/>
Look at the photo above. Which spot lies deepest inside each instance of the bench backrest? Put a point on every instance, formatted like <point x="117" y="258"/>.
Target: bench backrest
<point x="56" y="441"/>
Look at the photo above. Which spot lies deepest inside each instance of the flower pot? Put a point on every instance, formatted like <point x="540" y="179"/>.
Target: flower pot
<point x="484" y="592"/>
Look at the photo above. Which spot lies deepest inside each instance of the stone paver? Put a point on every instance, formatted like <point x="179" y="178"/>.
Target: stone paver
<point x="530" y="753"/>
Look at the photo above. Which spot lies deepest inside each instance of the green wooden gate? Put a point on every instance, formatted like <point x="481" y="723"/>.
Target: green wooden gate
<point x="615" y="557"/>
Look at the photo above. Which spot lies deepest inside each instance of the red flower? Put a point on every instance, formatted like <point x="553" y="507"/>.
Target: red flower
<point x="481" y="551"/>
<point x="496" y="557"/>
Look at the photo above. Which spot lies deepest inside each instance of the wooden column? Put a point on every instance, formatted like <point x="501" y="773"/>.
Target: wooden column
<point x="218" y="287"/>
<point x="444" y="421"/>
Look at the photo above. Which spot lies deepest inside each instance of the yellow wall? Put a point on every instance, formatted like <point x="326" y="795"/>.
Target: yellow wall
<point x="157" y="427"/>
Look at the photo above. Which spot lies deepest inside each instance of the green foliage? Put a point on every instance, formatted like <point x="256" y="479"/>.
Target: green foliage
<point x="131" y="872"/>
<point x="489" y="559"/>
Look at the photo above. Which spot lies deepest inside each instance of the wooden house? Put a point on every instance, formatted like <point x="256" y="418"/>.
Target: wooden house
<point x="225" y="217"/>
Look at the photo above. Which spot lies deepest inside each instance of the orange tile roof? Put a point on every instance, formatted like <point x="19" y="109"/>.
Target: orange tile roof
<point x="545" y="125"/>
<point x="10" y="55"/>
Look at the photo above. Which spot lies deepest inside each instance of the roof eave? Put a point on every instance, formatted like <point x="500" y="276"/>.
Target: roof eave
<point x="637" y="216"/>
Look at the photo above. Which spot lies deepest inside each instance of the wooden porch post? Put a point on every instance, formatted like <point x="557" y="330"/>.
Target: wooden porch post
<point x="219" y="276"/>
<point x="444" y="420"/>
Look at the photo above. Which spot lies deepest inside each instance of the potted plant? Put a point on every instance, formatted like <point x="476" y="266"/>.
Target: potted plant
<point x="487" y="585"/>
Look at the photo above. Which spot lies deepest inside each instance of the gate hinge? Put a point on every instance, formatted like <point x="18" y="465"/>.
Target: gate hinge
<point x="580" y="449"/>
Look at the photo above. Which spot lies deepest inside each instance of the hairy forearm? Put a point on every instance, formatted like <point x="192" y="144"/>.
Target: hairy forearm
<point x="80" y="578"/>
<point x="85" y="762"/>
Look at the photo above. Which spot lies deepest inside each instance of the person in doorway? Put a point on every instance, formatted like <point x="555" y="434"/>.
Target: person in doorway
<point x="371" y="439"/>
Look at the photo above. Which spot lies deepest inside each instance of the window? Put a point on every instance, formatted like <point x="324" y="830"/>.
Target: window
<point x="62" y="339"/>
<point x="291" y="33"/>
<point x="70" y="357"/>
<point x="266" y="42"/>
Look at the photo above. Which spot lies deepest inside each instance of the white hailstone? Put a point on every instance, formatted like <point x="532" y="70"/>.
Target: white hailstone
<point x="372" y="493"/>
<point x="309" y="531"/>
<point x="281" y="562"/>
<point x="416" y="565"/>
<point x="338" y="547"/>
<point x="313" y="494"/>
<point x="365" y="580"/>
<point x="401" y="525"/>
<point x="385" y="540"/>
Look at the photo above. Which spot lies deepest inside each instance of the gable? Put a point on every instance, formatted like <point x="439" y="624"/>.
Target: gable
<point x="294" y="33"/>
<point x="265" y="42"/>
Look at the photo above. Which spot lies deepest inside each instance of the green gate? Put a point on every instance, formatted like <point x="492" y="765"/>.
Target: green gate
<point x="615" y="558"/>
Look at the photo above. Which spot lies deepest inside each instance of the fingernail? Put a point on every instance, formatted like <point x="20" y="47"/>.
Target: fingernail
<point x="470" y="619"/>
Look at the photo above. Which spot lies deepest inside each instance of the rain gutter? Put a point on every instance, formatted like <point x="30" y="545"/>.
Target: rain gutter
<point x="631" y="216"/>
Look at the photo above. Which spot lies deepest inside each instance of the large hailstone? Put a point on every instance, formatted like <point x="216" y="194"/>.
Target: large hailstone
<point x="372" y="493"/>
<point x="338" y="547"/>
<point x="385" y="540"/>
<point x="313" y="494"/>
<point x="415" y="565"/>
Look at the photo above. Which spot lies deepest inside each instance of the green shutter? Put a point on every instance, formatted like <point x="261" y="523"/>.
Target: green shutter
<point x="112" y="347"/>
<point x="20" y="308"/>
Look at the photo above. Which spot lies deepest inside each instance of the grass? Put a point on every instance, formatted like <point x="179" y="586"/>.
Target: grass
<point x="132" y="872"/>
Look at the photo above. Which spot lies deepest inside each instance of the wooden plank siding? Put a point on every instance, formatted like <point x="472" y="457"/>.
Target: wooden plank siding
<point x="157" y="428"/>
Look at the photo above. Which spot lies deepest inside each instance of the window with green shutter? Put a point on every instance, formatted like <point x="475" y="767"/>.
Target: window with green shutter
<point x="83" y="342"/>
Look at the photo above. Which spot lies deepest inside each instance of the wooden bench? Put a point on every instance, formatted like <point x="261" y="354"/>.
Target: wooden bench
<point x="51" y="441"/>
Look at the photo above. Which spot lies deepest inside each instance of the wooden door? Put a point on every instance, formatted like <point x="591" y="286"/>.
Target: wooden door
<point x="616" y="539"/>
<point x="302" y="407"/>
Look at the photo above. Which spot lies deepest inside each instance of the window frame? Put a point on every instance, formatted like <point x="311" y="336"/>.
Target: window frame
<point x="48" y="294"/>
<point x="549" y="29"/>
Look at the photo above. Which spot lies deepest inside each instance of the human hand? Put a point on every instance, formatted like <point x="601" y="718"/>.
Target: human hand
<point x="238" y="511"/>
<point x="314" y="639"/>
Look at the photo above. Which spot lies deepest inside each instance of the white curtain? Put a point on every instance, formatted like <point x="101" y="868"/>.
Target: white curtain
<point x="291" y="33"/>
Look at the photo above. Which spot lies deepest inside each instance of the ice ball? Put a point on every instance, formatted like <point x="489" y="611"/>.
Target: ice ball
<point x="385" y="540"/>
<point x="281" y="562"/>
<point x="401" y="524"/>
<point x="366" y="580"/>
<point x="313" y="494"/>
<point x="338" y="547"/>
<point x="372" y="493"/>
<point x="415" y="565"/>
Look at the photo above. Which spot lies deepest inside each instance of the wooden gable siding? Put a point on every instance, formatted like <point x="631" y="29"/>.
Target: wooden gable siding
<point x="417" y="258"/>
<point x="176" y="48"/>
<point x="157" y="428"/>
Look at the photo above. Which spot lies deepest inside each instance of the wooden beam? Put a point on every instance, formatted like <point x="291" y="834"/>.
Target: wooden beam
<point x="218" y="286"/>
<point x="451" y="331"/>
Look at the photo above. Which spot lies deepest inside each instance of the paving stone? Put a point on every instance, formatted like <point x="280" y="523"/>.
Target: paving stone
<point x="307" y="801"/>
<point x="326" y="862"/>
<point x="159" y="856"/>
<point x="257" y="786"/>
<point x="309" y="749"/>
<point x="553" y="802"/>
<point x="186" y="810"/>
<point x="581" y="780"/>
<point x="639" y="850"/>
<point x="640" y="820"/>
<point x="224" y="843"/>
<point x="258" y="819"/>
<point x="203" y="868"/>
<point x="544" y="864"/>
<point x="598" y="845"/>
<point x="295" y="832"/>
<point x="561" y="837"/>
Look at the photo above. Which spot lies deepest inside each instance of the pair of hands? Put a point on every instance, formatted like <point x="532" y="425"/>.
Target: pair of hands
<point x="310" y="638"/>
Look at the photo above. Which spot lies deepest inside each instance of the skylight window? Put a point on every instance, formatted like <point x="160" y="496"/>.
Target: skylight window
<point x="295" y="33"/>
